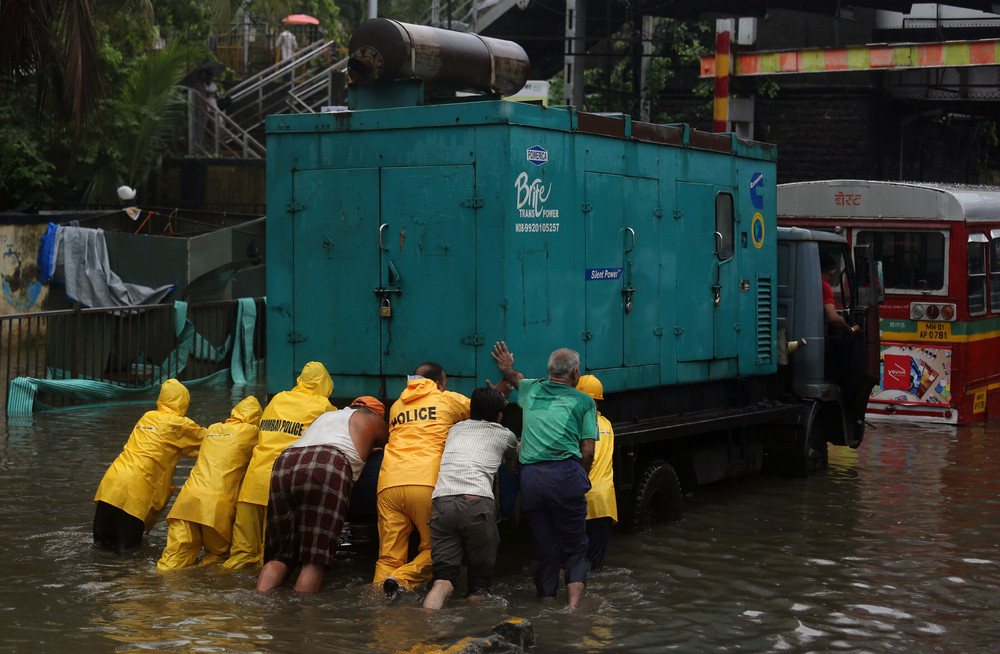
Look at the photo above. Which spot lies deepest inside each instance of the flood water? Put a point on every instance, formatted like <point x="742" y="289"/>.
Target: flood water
<point x="895" y="549"/>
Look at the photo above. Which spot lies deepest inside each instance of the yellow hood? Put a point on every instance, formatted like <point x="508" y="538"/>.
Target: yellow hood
<point x="248" y="411"/>
<point x="417" y="388"/>
<point x="173" y="397"/>
<point x="315" y="379"/>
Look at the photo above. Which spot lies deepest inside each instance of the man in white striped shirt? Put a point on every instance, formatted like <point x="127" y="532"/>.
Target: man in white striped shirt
<point x="464" y="517"/>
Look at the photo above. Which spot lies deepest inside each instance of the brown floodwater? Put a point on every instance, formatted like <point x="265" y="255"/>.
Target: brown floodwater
<point x="895" y="548"/>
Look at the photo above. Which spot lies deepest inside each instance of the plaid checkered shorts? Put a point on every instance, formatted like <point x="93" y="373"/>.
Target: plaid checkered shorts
<point x="309" y="498"/>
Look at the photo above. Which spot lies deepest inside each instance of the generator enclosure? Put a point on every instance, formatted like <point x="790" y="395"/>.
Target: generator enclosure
<point x="404" y="234"/>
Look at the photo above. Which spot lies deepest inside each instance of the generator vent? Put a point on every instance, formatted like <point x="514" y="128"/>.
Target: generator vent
<point x="765" y="320"/>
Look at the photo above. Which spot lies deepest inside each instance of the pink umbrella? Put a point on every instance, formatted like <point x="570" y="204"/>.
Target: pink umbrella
<point x="300" y="19"/>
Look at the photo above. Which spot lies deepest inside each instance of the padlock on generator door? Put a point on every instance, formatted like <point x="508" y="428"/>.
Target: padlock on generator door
<point x="385" y="310"/>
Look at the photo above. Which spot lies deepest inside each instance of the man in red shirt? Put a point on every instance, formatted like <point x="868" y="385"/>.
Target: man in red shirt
<point x="831" y="271"/>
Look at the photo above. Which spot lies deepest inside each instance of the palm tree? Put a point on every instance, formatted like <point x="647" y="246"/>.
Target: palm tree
<point x="52" y="43"/>
<point x="148" y="112"/>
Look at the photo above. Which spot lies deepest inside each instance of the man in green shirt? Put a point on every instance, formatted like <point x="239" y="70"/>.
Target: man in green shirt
<point x="557" y="448"/>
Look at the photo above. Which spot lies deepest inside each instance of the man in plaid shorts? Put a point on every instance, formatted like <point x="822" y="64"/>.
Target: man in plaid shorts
<point x="311" y="484"/>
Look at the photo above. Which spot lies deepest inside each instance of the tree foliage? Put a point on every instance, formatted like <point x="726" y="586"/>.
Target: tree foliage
<point x="610" y="81"/>
<point x="86" y="104"/>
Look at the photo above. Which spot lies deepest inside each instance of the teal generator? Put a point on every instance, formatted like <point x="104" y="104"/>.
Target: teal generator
<point x="401" y="232"/>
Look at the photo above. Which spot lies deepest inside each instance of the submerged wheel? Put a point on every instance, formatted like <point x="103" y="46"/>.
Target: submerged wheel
<point x="811" y="442"/>
<point x="805" y="453"/>
<point x="816" y="456"/>
<point x="657" y="496"/>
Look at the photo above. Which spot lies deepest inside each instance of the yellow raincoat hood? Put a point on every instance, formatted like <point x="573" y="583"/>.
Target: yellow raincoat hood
<point x="248" y="411"/>
<point x="315" y="379"/>
<point x="417" y="388"/>
<point x="173" y="397"/>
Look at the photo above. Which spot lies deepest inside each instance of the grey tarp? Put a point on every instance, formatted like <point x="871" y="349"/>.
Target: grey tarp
<point x="80" y="261"/>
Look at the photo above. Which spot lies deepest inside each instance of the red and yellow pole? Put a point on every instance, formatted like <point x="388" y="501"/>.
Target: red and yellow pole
<point x="720" y="110"/>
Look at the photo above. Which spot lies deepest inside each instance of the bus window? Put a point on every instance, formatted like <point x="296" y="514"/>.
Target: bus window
<point x="724" y="226"/>
<point x="995" y="271"/>
<point x="977" y="274"/>
<point x="913" y="261"/>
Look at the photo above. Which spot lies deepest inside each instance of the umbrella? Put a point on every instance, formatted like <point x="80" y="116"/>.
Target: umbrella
<point x="213" y="67"/>
<point x="300" y="19"/>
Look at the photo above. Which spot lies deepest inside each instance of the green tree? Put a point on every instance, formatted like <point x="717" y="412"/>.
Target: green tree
<point x="54" y="45"/>
<point x="612" y="84"/>
<point x="85" y="103"/>
<point x="137" y="128"/>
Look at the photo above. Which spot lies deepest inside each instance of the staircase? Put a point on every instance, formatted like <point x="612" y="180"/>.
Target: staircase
<point x="306" y="83"/>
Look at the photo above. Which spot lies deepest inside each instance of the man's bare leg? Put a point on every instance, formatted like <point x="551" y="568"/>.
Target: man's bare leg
<point x="438" y="594"/>
<point x="271" y="576"/>
<point x="310" y="578"/>
<point x="575" y="590"/>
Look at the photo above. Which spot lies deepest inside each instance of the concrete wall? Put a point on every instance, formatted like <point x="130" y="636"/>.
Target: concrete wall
<point x="22" y="290"/>
<point x="822" y="135"/>
<point x="858" y="134"/>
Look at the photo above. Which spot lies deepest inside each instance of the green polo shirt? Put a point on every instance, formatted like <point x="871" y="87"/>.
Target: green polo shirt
<point x="556" y="418"/>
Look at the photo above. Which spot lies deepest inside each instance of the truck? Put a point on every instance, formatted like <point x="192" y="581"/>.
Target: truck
<point x="424" y="225"/>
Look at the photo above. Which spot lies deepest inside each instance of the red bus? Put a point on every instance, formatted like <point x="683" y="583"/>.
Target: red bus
<point x="939" y="246"/>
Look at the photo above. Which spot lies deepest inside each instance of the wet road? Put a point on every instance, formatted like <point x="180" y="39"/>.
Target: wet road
<point x="895" y="548"/>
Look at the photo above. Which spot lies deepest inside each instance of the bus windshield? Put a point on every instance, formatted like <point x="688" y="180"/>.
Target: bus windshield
<point x="912" y="260"/>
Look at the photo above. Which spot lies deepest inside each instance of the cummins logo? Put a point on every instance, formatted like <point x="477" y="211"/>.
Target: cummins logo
<point x="538" y="155"/>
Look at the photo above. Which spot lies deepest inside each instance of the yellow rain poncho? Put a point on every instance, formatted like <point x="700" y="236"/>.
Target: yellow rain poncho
<point x="601" y="501"/>
<point x="138" y="482"/>
<point x="287" y="415"/>
<point x="418" y="427"/>
<point x="207" y="502"/>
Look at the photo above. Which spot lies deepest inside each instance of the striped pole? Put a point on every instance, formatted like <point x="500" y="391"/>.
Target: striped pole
<point x="876" y="56"/>
<point x="720" y="110"/>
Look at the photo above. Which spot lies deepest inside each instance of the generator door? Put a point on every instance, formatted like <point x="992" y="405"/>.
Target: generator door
<point x="707" y="288"/>
<point x="330" y="263"/>
<point x="725" y="286"/>
<point x="622" y="271"/>
<point x="695" y="272"/>
<point x="426" y="284"/>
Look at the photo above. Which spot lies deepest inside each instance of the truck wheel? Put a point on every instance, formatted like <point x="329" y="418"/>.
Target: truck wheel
<point x="657" y="497"/>
<point x="810" y="453"/>
<point x="800" y="450"/>
<point x="816" y="455"/>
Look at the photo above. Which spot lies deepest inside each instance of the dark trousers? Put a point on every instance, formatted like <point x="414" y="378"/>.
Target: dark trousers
<point x="554" y="504"/>
<point x="116" y="530"/>
<point x="464" y="527"/>
<point x="598" y="535"/>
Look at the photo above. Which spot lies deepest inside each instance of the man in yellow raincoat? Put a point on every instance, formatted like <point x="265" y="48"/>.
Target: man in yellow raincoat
<point x="285" y="418"/>
<point x="136" y="488"/>
<point x="418" y="426"/>
<point x="602" y="505"/>
<point x="203" y="513"/>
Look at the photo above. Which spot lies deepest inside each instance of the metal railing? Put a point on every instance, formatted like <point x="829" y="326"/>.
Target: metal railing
<point x="222" y="137"/>
<point x="127" y="347"/>
<point x="468" y="15"/>
<point x="303" y="83"/>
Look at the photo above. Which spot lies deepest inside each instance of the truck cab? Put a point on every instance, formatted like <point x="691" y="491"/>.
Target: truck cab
<point x="818" y="362"/>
